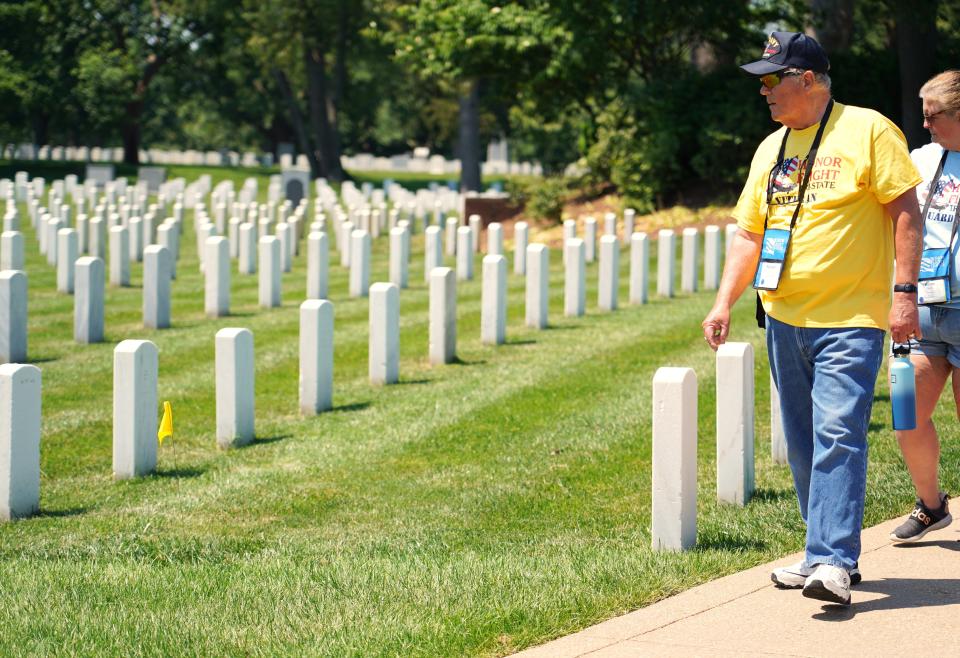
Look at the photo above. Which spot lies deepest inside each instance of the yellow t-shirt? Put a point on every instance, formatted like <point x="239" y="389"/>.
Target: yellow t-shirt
<point x="839" y="268"/>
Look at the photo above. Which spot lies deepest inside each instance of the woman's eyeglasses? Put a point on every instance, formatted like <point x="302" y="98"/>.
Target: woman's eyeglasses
<point x="771" y="80"/>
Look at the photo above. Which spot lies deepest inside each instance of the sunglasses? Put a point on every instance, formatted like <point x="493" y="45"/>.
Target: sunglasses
<point x="771" y="80"/>
<point x="929" y="118"/>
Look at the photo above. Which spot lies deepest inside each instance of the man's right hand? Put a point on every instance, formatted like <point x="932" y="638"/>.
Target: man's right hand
<point x="716" y="326"/>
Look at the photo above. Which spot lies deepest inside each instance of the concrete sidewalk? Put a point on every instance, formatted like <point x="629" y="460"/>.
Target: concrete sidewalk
<point x="907" y="605"/>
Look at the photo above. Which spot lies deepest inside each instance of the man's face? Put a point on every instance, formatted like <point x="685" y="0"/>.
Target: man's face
<point x="944" y="126"/>
<point x="787" y="100"/>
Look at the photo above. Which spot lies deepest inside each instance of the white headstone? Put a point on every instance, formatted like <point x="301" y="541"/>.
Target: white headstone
<point x="464" y="254"/>
<point x="247" y="257"/>
<point x="88" y="300"/>
<point x="432" y="251"/>
<point x="216" y="302"/>
<point x="569" y="232"/>
<point x="575" y="278"/>
<point x="590" y="239"/>
<point x="493" y="314"/>
<point x="629" y="215"/>
<point x="691" y="260"/>
<point x="521" y="240"/>
<point x="11" y="250"/>
<point x="778" y="440"/>
<point x="494" y="239"/>
<point x="316" y="356"/>
<point x="443" y="315"/>
<point x="13" y="316"/>
<point x="135" y="227"/>
<point x="359" y="263"/>
<point x="609" y="282"/>
<point x="67" y="256"/>
<point x="318" y="265"/>
<point x="666" y="250"/>
<point x="156" y="287"/>
<point x="119" y="256"/>
<point x="610" y="224"/>
<point x="476" y="223"/>
<point x="639" y="268"/>
<point x="168" y="238"/>
<point x="97" y="246"/>
<point x="399" y="256"/>
<point x="711" y="258"/>
<point x="735" y="463"/>
<point x="269" y="267"/>
<point x="235" y="379"/>
<point x="450" y="236"/>
<point x="674" y="506"/>
<point x="538" y="285"/>
<point x="384" y="346"/>
<point x="20" y="386"/>
<point x="285" y="236"/>
<point x="730" y="232"/>
<point x="135" y="369"/>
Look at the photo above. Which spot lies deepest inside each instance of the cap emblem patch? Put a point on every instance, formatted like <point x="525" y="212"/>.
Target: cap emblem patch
<point x="773" y="47"/>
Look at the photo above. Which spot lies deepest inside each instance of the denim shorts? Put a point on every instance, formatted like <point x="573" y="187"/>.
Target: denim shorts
<point x="940" y="327"/>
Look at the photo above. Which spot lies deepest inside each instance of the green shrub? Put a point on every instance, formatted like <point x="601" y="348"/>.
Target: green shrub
<point x="546" y="197"/>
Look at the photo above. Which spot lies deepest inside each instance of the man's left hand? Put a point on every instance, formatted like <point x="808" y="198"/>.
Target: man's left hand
<point x="904" y="318"/>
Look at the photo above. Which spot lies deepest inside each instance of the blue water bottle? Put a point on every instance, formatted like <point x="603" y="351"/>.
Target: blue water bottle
<point x="903" y="389"/>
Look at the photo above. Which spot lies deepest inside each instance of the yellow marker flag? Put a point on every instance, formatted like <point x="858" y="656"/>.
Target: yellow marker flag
<point x="166" y="423"/>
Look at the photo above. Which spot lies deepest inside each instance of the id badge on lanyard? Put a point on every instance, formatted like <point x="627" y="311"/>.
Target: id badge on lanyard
<point x="773" y="254"/>
<point x="936" y="264"/>
<point x="933" y="285"/>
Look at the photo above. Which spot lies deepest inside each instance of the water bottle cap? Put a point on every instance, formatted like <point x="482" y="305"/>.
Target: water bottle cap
<point x="901" y="349"/>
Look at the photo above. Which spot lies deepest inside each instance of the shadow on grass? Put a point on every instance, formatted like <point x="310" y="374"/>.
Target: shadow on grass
<point x="520" y="341"/>
<point x="42" y="359"/>
<point x="356" y="406"/>
<point x="262" y="440"/>
<point x="900" y="593"/>
<point x="881" y="397"/>
<point x="457" y="361"/>
<point x="59" y="513"/>
<point x="404" y="382"/>
<point x="875" y="427"/>
<point x="561" y="327"/>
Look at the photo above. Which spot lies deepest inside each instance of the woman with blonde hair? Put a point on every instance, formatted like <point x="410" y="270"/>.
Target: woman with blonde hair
<point x="935" y="353"/>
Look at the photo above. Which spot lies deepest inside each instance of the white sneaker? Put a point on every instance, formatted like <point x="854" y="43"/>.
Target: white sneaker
<point x="795" y="575"/>
<point x="828" y="583"/>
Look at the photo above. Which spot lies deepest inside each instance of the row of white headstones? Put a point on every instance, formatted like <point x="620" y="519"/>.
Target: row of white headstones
<point x="136" y="361"/>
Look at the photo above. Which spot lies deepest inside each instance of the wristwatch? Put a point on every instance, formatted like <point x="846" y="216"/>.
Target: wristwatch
<point x="904" y="287"/>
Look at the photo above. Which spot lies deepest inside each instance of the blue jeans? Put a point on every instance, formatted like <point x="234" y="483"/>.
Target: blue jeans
<point x="826" y="378"/>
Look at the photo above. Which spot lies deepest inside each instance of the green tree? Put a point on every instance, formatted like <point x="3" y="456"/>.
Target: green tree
<point x="462" y="45"/>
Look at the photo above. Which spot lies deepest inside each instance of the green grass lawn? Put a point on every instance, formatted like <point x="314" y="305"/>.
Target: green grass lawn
<point x="472" y="509"/>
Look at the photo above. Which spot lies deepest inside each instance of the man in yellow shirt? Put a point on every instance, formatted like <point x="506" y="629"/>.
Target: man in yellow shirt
<point x="828" y="204"/>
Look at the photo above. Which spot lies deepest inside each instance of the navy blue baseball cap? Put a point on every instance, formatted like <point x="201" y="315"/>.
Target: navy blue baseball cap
<point x="789" y="50"/>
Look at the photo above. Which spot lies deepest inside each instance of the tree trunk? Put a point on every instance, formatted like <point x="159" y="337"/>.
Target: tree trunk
<point x="41" y="126"/>
<point x="469" y="137"/>
<point x="130" y="133"/>
<point x="916" y="47"/>
<point x="296" y="119"/>
<point x="323" y="115"/>
<point x="832" y="24"/>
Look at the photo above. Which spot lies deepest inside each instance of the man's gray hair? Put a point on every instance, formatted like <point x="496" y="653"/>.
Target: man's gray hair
<point x="822" y="79"/>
